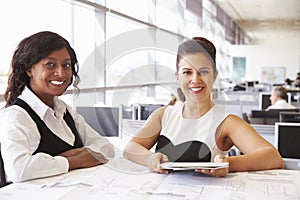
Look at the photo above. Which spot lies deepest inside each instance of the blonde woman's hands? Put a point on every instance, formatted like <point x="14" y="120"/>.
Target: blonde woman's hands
<point x="221" y="172"/>
<point x="154" y="162"/>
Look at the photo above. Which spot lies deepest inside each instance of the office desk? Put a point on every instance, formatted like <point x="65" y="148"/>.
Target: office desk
<point x="121" y="179"/>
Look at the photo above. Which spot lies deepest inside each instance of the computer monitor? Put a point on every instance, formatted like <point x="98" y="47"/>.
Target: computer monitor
<point x="250" y="83"/>
<point x="147" y="109"/>
<point x="105" y="120"/>
<point x="127" y="112"/>
<point x="289" y="117"/>
<point x="287" y="141"/>
<point x="264" y="100"/>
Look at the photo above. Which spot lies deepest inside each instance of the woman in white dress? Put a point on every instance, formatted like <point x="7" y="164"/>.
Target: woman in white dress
<point x="198" y="130"/>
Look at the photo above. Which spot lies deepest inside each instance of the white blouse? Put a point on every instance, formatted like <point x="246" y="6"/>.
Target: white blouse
<point x="20" y="137"/>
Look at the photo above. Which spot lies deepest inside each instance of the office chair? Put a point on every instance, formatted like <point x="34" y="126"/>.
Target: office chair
<point x="232" y="152"/>
<point x="3" y="181"/>
<point x="246" y="118"/>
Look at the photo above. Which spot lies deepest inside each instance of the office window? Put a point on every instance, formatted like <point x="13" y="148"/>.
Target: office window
<point x="230" y="30"/>
<point x="192" y="24"/>
<point x="167" y="15"/>
<point x="224" y="63"/>
<point x="165" y="56"/>
<point x="127" y="96"/>
<point x="194" y="6"/>
<point x="208" y="25"/>
<point x="163" y="93"/>
<point x="101" y="2"/>
<point x="220" y="16"/>
<point x="89" y="45"/>
<point x="130" y="68"/>
<point x="138" y="9"/>
<point x="26" y="18"/>
<point x="139" y="95"/>
<point x="127" y="52"/>
<point x="21" y="19"/>
<point x="165" y="66"/>
<point x="115" y="40"/>
<point x="210" y="6"/>
<point x="116" y="25"/>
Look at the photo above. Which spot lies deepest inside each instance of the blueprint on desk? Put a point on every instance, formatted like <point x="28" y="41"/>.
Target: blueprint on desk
<point x="272" y="184"/>
<point x="122" y="180"/>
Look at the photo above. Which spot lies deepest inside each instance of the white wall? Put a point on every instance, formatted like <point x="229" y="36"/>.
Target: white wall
<point x="269" y="55"/>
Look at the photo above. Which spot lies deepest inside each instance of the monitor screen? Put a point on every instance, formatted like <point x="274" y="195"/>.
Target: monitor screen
<point x="264" y="100"/>
<point x="105" y="120"/>
<point x="289" y="117"/>
<point x="147" y="109"/>
<point x="287" y="141"/>
<point x="127" y="112"/>
<point x="250" y="83"/>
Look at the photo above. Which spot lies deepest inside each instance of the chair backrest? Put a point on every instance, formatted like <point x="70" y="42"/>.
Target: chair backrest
<point x="3" y="181"/>
<point x="246" y="118"/>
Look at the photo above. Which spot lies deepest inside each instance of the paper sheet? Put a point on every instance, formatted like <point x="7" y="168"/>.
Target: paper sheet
<point x="134" y="182"/>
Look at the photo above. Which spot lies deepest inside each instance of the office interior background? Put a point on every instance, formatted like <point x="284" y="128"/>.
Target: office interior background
<point x="127" y="49"/>
<point x="127" y="54"/>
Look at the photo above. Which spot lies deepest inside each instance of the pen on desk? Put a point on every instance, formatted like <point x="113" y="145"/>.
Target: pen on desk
<point x="166" y="194"/>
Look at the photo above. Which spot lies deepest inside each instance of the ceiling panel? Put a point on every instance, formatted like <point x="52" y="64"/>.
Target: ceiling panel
<point x="264" y="20"/>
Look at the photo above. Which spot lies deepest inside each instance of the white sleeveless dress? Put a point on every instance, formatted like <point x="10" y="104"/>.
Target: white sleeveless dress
<point x="190" y="140"/>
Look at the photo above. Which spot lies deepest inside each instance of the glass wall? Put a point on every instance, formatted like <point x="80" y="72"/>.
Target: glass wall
<point x="126" y="49"/>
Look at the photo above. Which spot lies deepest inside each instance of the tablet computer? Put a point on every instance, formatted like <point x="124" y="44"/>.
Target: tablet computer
<point x="193" y="165"/>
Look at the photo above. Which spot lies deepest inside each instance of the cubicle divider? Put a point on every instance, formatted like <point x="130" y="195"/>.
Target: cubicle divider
<point x="266" y="131"/>
<point x="237" y="107"/>
<point x="134" y="117"/>
<point x="263" y="121"/>
<point x="293" y="117"/>
<point x="118" y="124"/>
<point x="268" y="117"/>
<point x="105" y="120"/>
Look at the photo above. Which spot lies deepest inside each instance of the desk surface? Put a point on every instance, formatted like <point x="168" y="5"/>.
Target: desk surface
<point x="121" y="179"/>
